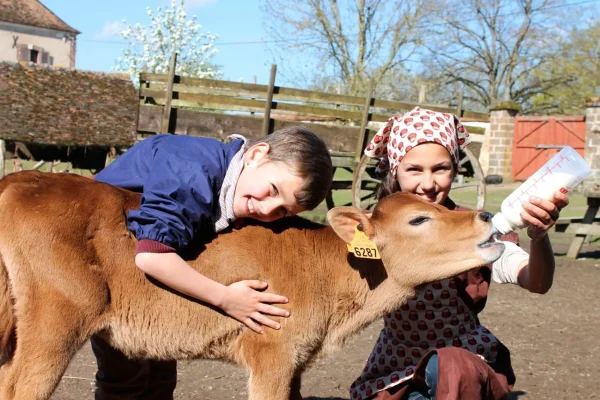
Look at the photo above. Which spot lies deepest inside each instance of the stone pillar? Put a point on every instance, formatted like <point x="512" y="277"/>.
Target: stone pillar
<point x="502" y="131"/>
<point x="592" y="142"/>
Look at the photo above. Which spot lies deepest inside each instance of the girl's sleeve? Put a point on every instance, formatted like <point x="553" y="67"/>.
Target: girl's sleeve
<point x="506" y="268"/>
<point x="176" y="197"/>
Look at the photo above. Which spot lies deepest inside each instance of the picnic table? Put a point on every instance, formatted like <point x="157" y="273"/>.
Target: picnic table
<point x="587" y="223"/>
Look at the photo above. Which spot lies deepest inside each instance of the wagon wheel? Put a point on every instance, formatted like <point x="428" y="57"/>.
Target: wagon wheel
<point x="340" y="185"/>
<point x="365" y="184"/>
<point x="470" y="177"/>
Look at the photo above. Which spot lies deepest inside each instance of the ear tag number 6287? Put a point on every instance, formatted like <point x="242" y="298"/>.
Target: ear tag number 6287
<point x="361" y="246"/>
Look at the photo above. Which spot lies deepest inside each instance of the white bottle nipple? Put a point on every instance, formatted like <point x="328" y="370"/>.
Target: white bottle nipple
<point x="502" y="224"/>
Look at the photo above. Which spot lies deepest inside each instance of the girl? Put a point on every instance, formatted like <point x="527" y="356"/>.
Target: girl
<point x="434" y="346"/>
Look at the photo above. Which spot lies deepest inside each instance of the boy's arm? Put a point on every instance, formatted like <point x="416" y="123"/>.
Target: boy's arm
<point x="177" y="197"/>
<point x="240" y="300"/>
<point x="537" y="275"/>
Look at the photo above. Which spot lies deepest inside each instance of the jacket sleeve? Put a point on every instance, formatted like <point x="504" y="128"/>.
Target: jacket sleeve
<point x="177" y="195"/>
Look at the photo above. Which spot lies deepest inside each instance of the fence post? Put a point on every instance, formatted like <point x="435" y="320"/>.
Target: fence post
<point x="169" y="98"/>
<point x="253" y="98"/>
<point x="422" y="93"/>
<point x="363" y="134"/>
<point x="2" y="150"/>
<point x="110" y="155"/>
<point x="459" y="103"/>
<point x="269" y="103"/>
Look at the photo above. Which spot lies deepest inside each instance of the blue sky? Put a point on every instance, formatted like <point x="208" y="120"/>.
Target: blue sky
<point x="233" y="20"/>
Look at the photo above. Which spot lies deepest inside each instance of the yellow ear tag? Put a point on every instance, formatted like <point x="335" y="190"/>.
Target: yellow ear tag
<point x="362" y="246"/>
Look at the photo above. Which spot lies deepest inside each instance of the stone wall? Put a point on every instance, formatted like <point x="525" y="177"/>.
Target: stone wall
<point x="502" y="127"/>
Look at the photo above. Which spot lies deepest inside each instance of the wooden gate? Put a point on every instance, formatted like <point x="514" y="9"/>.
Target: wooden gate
<point x="538" y="138"/>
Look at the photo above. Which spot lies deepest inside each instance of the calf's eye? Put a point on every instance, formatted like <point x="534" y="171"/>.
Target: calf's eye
<point x="418" y="220"/>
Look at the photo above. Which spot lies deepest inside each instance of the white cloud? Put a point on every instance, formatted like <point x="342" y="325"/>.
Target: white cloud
<point x="192" y="4"/>
<point x="110" y="29"/>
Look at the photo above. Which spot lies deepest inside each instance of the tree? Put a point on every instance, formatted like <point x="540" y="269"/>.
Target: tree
<point x="580" y="60"/>
<point x="416" y="87"/>
<point x="494" y="48"/>
<point x="170" y="30"/>
<point x="346" y="44"/>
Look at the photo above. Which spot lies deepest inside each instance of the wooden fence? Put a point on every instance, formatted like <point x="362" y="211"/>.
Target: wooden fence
<point x="217" y="108"/>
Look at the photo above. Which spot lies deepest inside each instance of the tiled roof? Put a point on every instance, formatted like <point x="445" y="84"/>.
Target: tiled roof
<point x="45" y="105"/>
<point x="32" y="13"/>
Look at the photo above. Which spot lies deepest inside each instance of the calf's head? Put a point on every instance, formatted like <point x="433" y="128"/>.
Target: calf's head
<point x="421" y="242"/>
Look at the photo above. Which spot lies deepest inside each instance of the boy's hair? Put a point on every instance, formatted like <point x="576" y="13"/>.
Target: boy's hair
<point x="307" y="155"/>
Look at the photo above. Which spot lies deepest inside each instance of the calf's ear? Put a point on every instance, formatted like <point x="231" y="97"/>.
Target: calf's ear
<point x="343" y="220"/>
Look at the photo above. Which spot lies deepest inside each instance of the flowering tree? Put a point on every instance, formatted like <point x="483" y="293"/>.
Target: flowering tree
<point x="170" y="30"/>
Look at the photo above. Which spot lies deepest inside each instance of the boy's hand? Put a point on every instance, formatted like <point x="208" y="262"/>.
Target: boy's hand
<point x="541" y="215"/>
<point x="244" y="303"/>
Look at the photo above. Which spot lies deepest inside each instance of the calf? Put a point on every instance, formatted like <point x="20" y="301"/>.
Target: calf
<point x="67" y="271"/>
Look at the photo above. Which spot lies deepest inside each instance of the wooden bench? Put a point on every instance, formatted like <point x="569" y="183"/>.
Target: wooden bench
<point x="562" y="224"/>
<point x="587" y="224"/>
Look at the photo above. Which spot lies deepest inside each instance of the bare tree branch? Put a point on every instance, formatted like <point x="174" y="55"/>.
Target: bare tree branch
<point x="494" y="47"/>
<point x="348" y="41"/>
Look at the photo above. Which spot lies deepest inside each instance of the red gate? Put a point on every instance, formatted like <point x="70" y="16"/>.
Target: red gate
<point x="537" y="139"/>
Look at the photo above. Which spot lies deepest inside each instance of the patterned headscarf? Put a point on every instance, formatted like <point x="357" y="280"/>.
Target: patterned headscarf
<point x="401" y="133"/>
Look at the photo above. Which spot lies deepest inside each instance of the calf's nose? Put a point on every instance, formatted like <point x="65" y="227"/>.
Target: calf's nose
<point x="486" y="216"/>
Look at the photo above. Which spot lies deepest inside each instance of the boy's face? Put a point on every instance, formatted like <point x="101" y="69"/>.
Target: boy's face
<point x="265" y="189"/>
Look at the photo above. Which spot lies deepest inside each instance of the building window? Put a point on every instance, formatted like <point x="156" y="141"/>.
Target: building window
<point x="33" y="56"/>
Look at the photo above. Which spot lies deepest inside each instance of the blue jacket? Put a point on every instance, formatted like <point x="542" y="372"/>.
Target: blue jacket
<point x="180" y="178"/>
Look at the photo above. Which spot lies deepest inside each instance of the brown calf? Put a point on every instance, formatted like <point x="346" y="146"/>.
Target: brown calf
<point x="68" y="272"/>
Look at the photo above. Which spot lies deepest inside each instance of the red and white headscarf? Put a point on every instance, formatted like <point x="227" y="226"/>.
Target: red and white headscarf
<point x="402" y="133"/>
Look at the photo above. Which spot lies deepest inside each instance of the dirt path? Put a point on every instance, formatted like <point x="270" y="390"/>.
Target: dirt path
<point x="554" y="340"/>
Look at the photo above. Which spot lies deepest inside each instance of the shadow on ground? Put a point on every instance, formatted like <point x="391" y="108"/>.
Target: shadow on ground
<point x="324" y="398"/>
<point x="517" y="395"/>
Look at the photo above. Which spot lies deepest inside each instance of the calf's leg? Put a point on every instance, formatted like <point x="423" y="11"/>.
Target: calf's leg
<point x="48" y="336"/>
<point x="272" y="370"/>
<point x="271" y="384"/>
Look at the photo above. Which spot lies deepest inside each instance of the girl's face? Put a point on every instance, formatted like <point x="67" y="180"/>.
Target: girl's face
<point x="427" y="171"/>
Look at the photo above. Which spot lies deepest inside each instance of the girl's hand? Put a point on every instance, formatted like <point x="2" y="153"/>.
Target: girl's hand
<point x="541" y="215"/>
<point x="244" y="302"/>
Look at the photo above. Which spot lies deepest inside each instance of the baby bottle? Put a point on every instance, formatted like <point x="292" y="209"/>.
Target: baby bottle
<point x="562" y="173"/>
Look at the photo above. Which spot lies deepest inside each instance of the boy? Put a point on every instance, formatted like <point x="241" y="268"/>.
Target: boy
<point x="192" y="184"/>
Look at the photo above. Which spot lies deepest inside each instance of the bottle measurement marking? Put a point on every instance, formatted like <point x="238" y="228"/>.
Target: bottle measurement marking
<point x="522" y="193"/>
<point x="558" y="174"/>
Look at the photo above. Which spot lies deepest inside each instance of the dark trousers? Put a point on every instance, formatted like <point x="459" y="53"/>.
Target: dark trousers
<point x="120" y="378"/>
